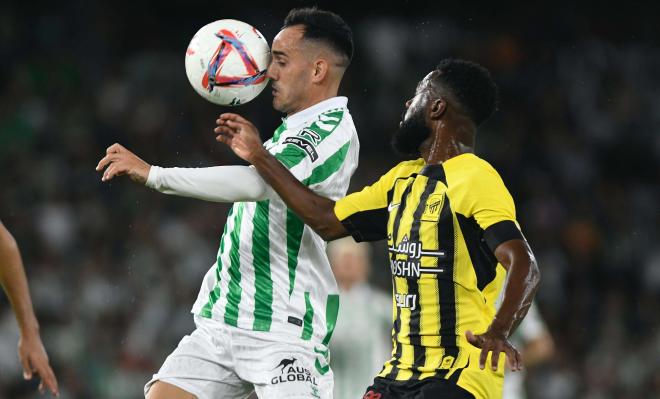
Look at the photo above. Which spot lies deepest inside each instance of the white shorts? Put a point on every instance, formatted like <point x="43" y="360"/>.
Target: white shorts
<point x="220" y="361"/>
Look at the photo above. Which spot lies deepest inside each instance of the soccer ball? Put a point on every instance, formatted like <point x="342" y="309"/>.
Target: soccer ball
<point x="226" y="62"/>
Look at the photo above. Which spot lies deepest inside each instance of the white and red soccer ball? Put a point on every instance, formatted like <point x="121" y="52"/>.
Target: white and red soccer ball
<point x="226" y="62"/>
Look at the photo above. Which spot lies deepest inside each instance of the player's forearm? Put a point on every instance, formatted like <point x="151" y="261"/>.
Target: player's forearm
<point x="216" y="184"/>
<point x="316" y="211"/>
<point x="14" y="283"/>
<point x="521" y="284"/>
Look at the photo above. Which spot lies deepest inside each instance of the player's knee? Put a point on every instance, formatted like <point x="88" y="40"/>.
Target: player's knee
<point x="163" y="390"/>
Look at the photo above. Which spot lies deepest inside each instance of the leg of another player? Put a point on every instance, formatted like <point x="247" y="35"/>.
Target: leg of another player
<point x="163" y="390"/>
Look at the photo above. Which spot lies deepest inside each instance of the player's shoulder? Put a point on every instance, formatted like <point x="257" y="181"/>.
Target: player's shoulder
<point x="469" y="166"/>
<point x="406" y="168"/>
<point x="332" y="118"/>
<point x="325" y="124"/>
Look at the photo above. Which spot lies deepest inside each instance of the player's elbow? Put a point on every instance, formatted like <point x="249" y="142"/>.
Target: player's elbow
<point x="256" y="192"/>
<point x="327" y="225"/>
<point x="523" y="259"/>
<point x="534" y="273"/>
<point x="330" y="233"/>
<point x="7" y="241"/>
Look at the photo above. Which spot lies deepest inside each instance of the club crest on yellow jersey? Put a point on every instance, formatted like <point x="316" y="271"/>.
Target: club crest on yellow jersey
<point x="433" y="208"/>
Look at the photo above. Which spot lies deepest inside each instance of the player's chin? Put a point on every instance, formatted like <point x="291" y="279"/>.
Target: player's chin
<point x="278" y="105"/>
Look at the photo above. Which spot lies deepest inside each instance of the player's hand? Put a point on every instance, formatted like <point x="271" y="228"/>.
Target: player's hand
<point x="240" y="135"/>
<point x="120" y="161"/>
<point x="495" y="342"/>
<point x="34" y="359"/>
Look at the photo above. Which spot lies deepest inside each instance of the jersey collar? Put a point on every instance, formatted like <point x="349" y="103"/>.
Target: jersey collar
<point x="437" y="171"/>
<point x="310" y="113"/>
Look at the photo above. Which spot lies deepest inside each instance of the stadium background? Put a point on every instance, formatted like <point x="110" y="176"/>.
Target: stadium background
<point x="114" y="268"/>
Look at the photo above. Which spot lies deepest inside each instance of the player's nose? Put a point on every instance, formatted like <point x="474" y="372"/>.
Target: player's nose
<point x="270" y="73"/>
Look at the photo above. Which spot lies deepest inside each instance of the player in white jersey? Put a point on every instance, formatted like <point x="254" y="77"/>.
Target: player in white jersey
<point x="268" y="306"/>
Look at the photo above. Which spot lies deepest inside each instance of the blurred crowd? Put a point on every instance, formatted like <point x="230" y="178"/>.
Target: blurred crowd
<point x="114" y="268"/>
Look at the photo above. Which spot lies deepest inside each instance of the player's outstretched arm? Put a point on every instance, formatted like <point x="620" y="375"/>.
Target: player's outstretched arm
<point x="316" y="211"/>
<point x="217" y="184"/>
<point x="523" y="278"/>
<point x="31" y="350"/>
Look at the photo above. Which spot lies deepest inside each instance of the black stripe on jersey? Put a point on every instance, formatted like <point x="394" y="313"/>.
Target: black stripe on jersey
<point x="395" y="330"/>
<point x="368" y="225"/>
<point x="446" y="296"/>
<point x="419" y="352"/>
<point x="397" y="322"/>
<point x="371" y="225"/>
<point x="390" y="193"/>
<point x="457" y="374"/>
<point x="482" y="258"/>
<point x="501" y="232"/>
<point x="398" y="213"/>
<point x="435" y="172"/>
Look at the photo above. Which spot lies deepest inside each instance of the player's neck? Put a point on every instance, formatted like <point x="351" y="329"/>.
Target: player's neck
<point x="315" y="96"/>
<point x="447" y="141"/>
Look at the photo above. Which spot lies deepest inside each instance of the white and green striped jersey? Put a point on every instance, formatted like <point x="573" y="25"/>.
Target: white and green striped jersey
<point x="272" y="273"/>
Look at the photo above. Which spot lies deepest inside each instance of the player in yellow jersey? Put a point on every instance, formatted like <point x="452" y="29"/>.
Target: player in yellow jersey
<point x="451" y="227"/>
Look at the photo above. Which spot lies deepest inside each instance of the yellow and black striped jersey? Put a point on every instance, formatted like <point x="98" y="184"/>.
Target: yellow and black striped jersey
<point x="442" y="224"/>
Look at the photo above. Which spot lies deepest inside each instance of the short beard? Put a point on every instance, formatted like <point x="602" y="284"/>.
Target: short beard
<point x="410" y="135"/>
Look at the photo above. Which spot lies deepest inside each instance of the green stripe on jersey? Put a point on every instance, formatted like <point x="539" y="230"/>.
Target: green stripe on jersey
<point x="234" y="288"/>
<point x="214" y="295"/>
<point x="278" y="131"/>
<point x="308" y="319"/>
<point x="331" y="311"/>
<point x="321" y="369"/>
<point x="294" y="232"/>
<point x="263" y="297"/>
<point x="327" y="168"/>
<point x="321" y="128"/>
<point x="290" y="156"/>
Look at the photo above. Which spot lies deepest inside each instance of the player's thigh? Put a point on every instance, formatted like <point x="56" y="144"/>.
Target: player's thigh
<point x="424" y="389"/>
<point x="199" y="366"/>
<point x="289" y="371"/>
<point x="380" y="390"/>
<point x="164" y="390"/>
<point x="445" y="390"/>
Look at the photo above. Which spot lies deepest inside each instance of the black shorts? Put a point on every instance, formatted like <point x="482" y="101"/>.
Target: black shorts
<point x="428" y="388"/>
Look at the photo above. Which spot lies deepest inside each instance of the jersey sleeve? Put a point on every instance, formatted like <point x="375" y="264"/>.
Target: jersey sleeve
<point x="489" y="202"/>
<point x="364" y="213"/>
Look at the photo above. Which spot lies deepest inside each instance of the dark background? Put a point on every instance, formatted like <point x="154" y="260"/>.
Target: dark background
<point x="114" y="268"/>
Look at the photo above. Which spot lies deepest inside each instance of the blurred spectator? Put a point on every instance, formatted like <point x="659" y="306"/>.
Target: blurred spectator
<point x="535" y="344"/>
<point x="361" y="341"/>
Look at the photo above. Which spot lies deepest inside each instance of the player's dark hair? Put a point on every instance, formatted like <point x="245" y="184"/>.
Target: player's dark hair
<point x="325" y="26"/>
<point x="471" y="85"/>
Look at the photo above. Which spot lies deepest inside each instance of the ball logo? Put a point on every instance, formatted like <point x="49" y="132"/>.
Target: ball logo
<point x="212" y="77"/>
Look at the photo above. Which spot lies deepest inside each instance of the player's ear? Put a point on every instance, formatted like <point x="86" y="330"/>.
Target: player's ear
<point x="320" y="70"/>
<point x="437" y="108"/>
